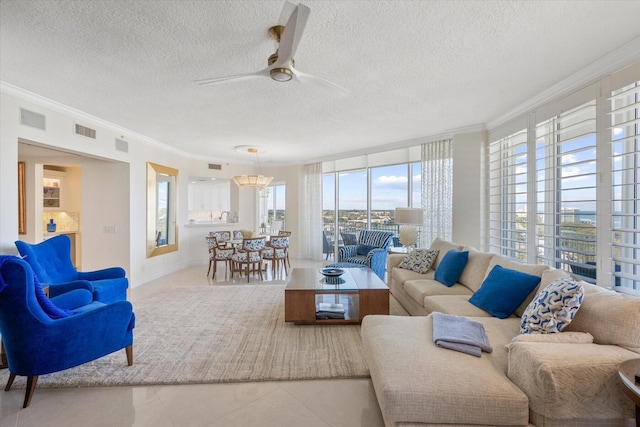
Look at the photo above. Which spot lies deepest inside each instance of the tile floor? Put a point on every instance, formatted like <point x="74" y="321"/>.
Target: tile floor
<point x="322" y="403"/>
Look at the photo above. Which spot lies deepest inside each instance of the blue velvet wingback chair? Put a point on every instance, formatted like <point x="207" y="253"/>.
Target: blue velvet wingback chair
<point x="40" y="338"/>
<point x="51" y="262"/>
<point x="371" y="251"/>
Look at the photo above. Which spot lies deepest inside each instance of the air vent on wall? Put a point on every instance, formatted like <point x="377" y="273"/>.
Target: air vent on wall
<point x="35" y="120"/>
<point x="85" y="131"/>
<point x="215" y="167"/>
<point x="122" y="145"/>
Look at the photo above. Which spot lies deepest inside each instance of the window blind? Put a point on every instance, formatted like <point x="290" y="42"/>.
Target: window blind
<point x="508" y="195"/>
<point x="566" y="191"/>
<point x="625" y="167"/>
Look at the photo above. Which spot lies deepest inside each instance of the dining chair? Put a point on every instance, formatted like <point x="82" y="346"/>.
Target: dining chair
<point x="285" y="233"/>
<point x="222" y="236"/>
<point x="237" y="235"/>
<point x="250" y="255"/>
<point x="218" y="254"/>
<point x="277" y="253"/>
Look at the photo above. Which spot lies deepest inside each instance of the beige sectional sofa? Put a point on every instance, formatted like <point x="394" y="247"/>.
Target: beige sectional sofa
<point x="561" y="379"/>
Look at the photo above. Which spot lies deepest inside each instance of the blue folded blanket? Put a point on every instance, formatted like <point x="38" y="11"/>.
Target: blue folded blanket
<point x="460" y="334"/>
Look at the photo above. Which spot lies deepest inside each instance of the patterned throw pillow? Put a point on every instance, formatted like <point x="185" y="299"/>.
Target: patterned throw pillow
<point x="553" y="308"/>
<point x="419" y="260"/>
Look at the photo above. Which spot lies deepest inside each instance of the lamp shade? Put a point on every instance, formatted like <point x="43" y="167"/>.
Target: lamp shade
<point x="409" y="216"/>
<point x="254" y="181"/>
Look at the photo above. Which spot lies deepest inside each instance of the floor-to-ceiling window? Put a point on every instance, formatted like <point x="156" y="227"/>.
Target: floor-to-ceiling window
<point x="359" y="199"/>
<point x="272" y="207"/>
<point x="564" y="183"/>
<point x="625" y="151"/>
<point x="353" y="215"/>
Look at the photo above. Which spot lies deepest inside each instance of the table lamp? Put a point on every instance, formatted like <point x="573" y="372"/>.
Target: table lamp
<point x="408" y="219"/>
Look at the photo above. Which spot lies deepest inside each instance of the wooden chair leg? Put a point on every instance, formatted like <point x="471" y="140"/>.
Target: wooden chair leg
<point x="10" y="381"/>
<point x="129" y="350"/>
<point x="209" y="270"/>
<point x="215" y="265"/>
<point x="32" y="382"/>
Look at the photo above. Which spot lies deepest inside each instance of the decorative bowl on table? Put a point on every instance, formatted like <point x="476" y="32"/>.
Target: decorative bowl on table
<point x="332" y="272"/>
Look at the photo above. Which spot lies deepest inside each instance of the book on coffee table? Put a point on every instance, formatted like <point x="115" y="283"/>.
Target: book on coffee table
<point x="330" y="307"/>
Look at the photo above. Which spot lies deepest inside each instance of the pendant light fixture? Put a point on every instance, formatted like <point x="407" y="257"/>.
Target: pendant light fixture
<point x="251" y="181"/>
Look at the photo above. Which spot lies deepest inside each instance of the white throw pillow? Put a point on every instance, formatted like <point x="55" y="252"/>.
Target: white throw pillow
<point x="553" y="308"/>
<point x="419" y="260"/>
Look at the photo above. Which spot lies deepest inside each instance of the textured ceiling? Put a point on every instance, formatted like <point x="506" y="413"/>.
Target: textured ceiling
<point x="412" y="68"/>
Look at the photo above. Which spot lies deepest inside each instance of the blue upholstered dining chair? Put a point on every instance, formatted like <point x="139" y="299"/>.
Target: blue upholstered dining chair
<point x="277" y="252"/>
<point x="40" y="337"/>
<point x="51" y="262"/>
<point x="370" y="251"/>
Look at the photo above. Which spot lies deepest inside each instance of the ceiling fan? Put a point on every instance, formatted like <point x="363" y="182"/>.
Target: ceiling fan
<point x="281" y="65"/>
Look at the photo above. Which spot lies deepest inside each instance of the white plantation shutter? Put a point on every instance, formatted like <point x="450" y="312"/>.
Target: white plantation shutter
<point x="508" y="195"/>
<point x="625" y="152"/>
<point x="566" y="191"/>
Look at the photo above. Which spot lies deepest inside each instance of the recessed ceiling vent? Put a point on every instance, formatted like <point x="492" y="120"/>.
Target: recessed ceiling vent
<point x="85" y="131"/>
<point x="215" y="167"/>
<point x="122" y="145"/>
<point x="35" y="120"/>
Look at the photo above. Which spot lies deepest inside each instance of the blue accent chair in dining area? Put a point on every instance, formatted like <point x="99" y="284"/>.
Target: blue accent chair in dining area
<point x="41" y="336"/>
<point x="371" y="251"/>
<point x="51" y="263"/>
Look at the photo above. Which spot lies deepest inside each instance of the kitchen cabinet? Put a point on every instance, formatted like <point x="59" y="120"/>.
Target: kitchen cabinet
<point x="52" y="192"/>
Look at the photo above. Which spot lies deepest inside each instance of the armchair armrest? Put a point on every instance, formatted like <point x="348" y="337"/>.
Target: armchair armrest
<point x="56" y="289"/>
<point x="347" y="252"/>
<point x="106" y="273"/>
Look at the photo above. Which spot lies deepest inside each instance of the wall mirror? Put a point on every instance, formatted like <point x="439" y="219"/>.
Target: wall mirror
<point x="162" y="225"/>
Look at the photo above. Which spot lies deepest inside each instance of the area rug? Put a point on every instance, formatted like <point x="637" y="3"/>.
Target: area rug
<point x="215" y="334"/>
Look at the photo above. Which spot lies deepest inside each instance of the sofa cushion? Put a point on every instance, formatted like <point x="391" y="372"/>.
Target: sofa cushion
<point x="553" y="308"/>
<point x="603" y="312"/>
<point x="414" y="383"/>
<point x="453" y="304"/>
<point x="419" y="260"/>
<point x="451" y="266"/>
<point x="533" y="269"/>
<point x="419" y="289"/>
<point x="560" y="337"/>
<point x="443" y="246"/>
<point x="476" y="268"/>
<point x="570" y="382"/>
<point x="503" y="290"/>
<point x="402" y="276"/>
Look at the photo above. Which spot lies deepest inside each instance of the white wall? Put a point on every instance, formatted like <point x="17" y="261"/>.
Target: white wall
<point x="113" y="188"/>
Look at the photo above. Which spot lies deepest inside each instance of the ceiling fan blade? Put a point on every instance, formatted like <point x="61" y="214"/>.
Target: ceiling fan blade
<point x="236" y="77"/>
<point x="292" y="34"/>
<point x="308" y="78"/>
<point x="287" y="10"/>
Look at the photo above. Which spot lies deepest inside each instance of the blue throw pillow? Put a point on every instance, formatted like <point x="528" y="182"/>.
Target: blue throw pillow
<point x="451" y="266"/>
<point x="364" y="249"/>
<point x="503" y="290"/>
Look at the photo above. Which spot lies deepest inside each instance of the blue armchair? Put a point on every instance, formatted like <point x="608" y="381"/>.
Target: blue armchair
<point x="40" y="338"/>
<point x="371" y="251"/>
<point x="51" y="262"/>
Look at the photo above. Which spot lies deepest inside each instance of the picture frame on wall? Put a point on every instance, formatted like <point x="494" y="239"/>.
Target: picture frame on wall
<point x="22" y="211"/>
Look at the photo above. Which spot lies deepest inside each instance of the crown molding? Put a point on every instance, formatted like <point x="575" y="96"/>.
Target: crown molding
<point x="41" y="101"/>
<point x="624" y="56"/>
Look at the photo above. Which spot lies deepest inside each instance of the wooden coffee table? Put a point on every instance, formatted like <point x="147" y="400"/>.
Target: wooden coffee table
<point x="359" y="291"/>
